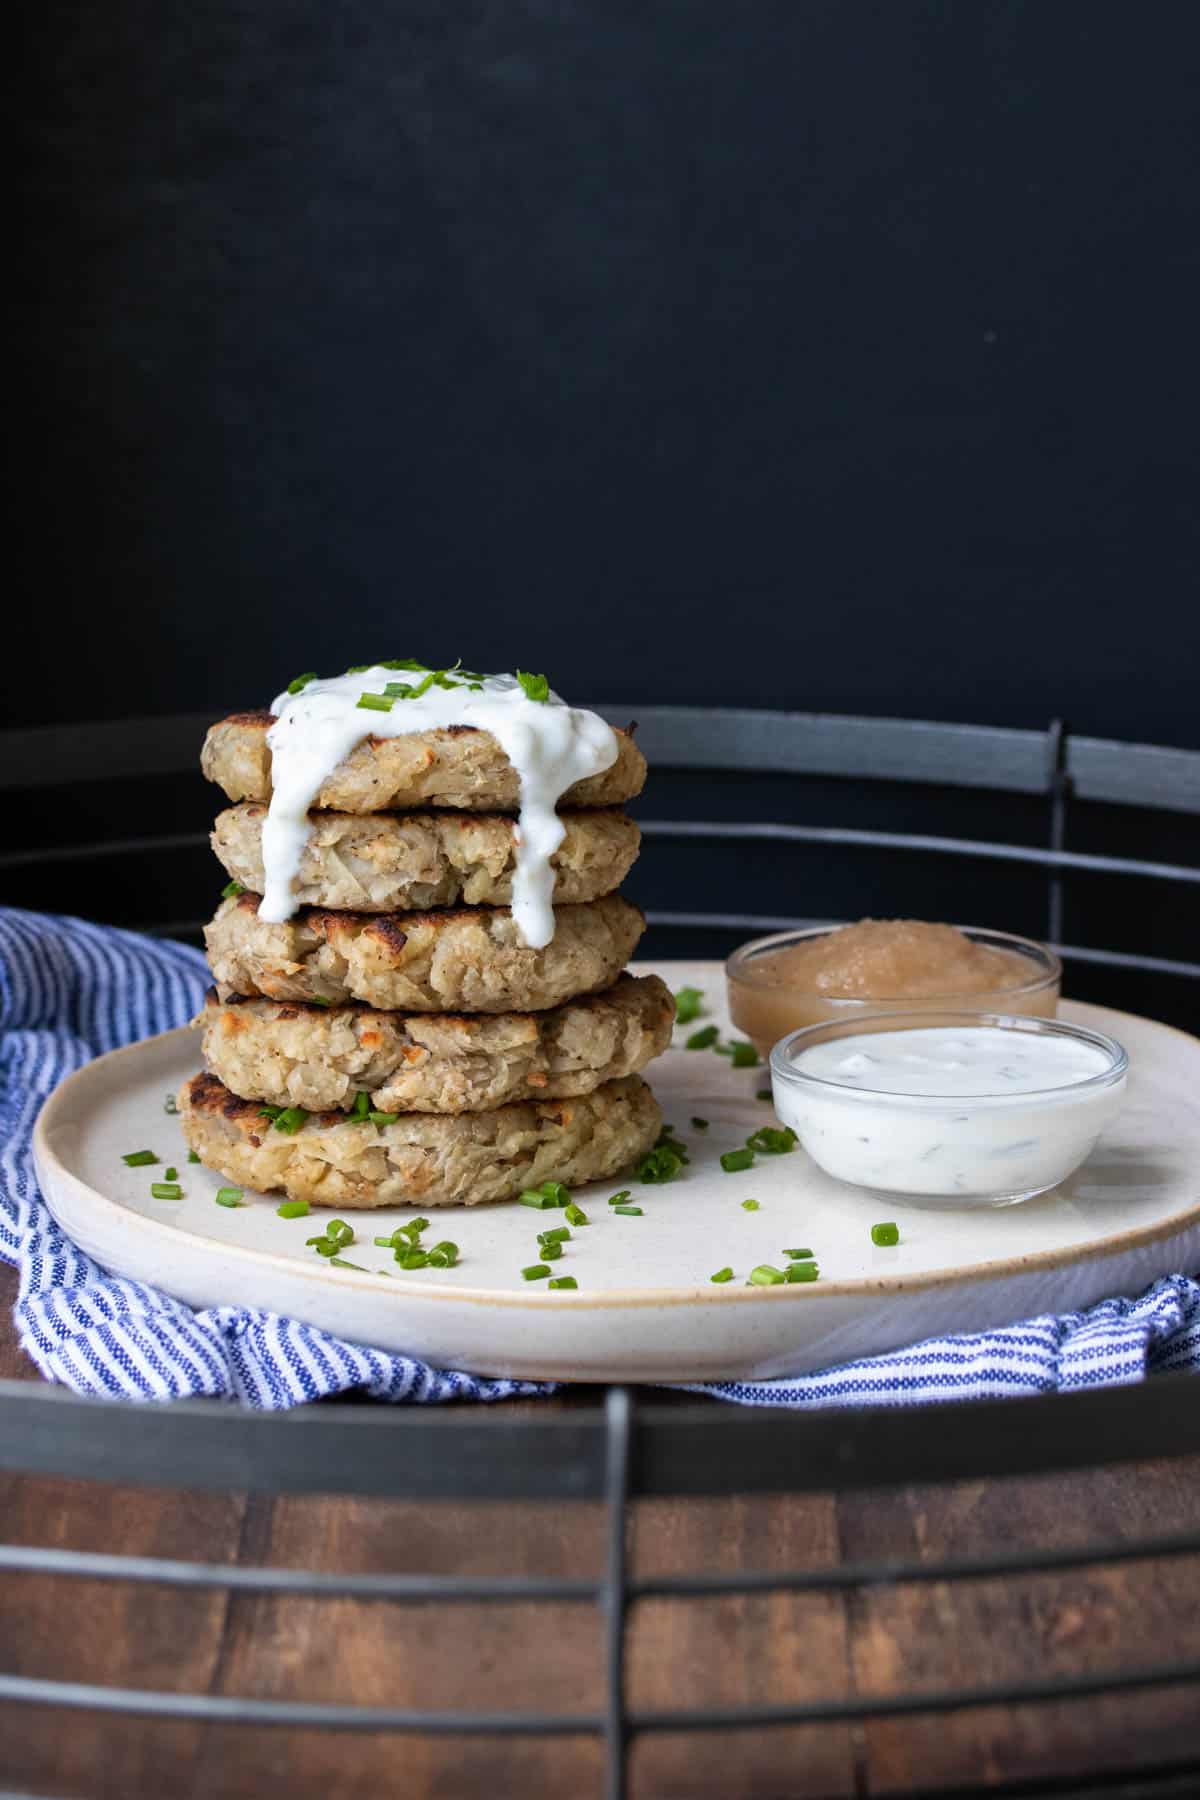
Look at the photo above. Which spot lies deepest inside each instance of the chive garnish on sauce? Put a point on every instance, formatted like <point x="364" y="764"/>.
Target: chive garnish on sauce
<point x="301" y="682"/>
<point x="535" y="687"/>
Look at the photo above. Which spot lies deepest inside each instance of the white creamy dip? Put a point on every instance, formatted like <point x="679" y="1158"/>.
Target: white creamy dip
<point x="550" y="745"/>
<point x="987" y="1112"/>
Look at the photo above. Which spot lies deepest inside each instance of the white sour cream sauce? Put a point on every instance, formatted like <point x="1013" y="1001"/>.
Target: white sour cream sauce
<point x="549" y="744"/>
<point x="983" y="1113"/>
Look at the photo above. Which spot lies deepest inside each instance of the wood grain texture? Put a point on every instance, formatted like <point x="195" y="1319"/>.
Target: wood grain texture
<point x="681" y="1653"/>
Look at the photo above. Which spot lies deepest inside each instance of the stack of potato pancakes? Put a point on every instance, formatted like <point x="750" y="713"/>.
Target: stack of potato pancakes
<point x="396" y="1041"/>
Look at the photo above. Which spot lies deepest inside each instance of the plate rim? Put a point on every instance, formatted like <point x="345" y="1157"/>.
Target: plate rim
<point x="620" y="1299"/>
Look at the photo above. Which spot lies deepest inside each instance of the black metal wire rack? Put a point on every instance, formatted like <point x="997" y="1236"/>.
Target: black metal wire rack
<point x="632" y="1448"/>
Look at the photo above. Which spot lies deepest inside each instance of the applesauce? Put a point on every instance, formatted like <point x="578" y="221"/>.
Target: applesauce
<point x="804" y="977"/>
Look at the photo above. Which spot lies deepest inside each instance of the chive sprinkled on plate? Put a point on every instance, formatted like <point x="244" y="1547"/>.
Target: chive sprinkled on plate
<point x="803" y="1271"/>
<point x="293" y="1209"/>
<point x="575" y="1215"/>
<point x="139" y="1159"/>
<point x="704" y="1039"/>
<point x="231" y="890"/>
<point x="763" y="1094"/>
<point x="885" y="1234"/>
<point x="766" y="1275"/>
<point x="772" y="1141"/>
<point x="661" y="1164"/>
<point x="558" y="1235"/>
<point x="563" y="1281"/>
<point x="536" y="1271"/>
<point x="165" y="1190"/>
<point x="192" y="1157"/>
<point x="733" y="1161"/>
<point x="339" y="1262"/>
<point x="534" y="687"/>
<point x="412" y="1259"/>
<point x="796" y="1255"/>
<point x="741" y="1054"/>
<point x="725" y="1274"/>
<point x="699" y="1124"/>
<point x="171" y="1174"/>
<point x="689" y="1004"/>
<point x="630" y="1212"/>
<point x="550" y="1252"/>
<point x="444" y="1255"/>
<point x="535" y="1198"/>
<point x="750" y="1206"/>
<point x="620" y="1199"/>
<point x="228" y="1196"/>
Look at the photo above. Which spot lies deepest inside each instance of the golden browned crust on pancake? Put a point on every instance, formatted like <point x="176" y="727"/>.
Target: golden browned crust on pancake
<point x="467" y="959"/>
<point x="423" y="1159"/>
<point x="323" y="1057"/>
<point x="384" y="862"/>
<point x="457" y="766"/>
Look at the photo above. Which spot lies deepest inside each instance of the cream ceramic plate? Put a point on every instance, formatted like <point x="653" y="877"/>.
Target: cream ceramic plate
<point x="645" y="1308"/>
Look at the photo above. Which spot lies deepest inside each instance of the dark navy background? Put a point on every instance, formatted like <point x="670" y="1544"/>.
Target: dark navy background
<point x="828" y="353"/>
<point x="833" y="354"/>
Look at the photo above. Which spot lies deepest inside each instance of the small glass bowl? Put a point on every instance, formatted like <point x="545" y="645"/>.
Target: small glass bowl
<point x="955" y="1150"/>
<point x="766" y="1010"/>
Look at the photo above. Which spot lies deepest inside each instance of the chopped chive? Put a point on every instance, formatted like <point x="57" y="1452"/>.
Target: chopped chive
<point x="766" y="1275"/>
<point x="803" y="1271"/>
<point x="139" y="1159"/>
<point x="741" y="1054"/>
<point x="563" y="1281"/>
<point x="384" y="1243"/>
<point x="630" y="1212"/>
<point x="361" y="1107"/>
<point x="398" y="690"/>
<point x="689" y="1004"/>
<point x="660" y="1164"/>
<point x="885" y="1234"/>
<point x="700" y="1124"/>
<point x="171" y="1174"/>
<point x="291" y="1119"/>
<point x="402" y="662"/>
<point x="556" y="1193"/>
<point x="301" y="681"/>
<point x="725" y="1274"/>
<point x="166" y="1190"/>
<point x="293" y="1209"/>
<point x="771" y="1141"/>
<point x="269" y="1112"/>
<point x="732" y="1161"/>
<point x="444" y="1255"/>
<point x="231" y="890"/>
<point x="375" y="702"/>
<point x="550" y="1252"/>
<point x="414" y="1227"/>
<point x="381" y="1118"/>
<point x="536" y="1271"/>
<point x="340" y="1231"/>
<point x="319" y="1000"/>
<point x="703" y="1039"/>
<point x="535" y="1198"/>
<point x="764" y="1094"/>
<point x="228" y="1196"/>
<point x="171" y="1105"/>
<point x="536" y="687"/>
<point x="797" y="1255"/>
<point x="192" y="1157"/>
<point x="358" y="668"/>
<point x="339" y="1262"/>
<point x="750" y="1206"/>
<point x="413" y="1259"/>
<point x="619" y="1199"/>
<point x="323" y="1246"/>
<point x="575" y="1215"/>
<point x="558" y="1235"/>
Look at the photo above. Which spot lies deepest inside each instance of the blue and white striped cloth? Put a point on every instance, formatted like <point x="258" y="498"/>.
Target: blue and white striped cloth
<point x="70" y="990"/>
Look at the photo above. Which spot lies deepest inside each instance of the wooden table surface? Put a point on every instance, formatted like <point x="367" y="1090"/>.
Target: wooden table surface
<point x="682" y="1653"/>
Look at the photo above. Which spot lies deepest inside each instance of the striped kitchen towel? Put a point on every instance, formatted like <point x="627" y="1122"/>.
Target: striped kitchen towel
<point x="70" y="990"/>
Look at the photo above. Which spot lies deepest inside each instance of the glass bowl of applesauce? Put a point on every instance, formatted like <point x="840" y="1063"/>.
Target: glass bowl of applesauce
<point x="821" y="973"/>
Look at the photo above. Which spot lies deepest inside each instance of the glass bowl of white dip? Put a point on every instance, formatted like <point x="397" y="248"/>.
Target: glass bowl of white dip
<point x="949" y="1108"/>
